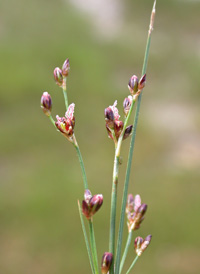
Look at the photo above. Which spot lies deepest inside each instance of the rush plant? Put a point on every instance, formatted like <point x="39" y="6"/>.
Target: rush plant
<point x="118" y="130"/>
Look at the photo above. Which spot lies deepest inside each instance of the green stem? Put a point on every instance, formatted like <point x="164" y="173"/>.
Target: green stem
<point x="86" y="239"/>
<point x="52" y="121"/>
<point x="132" y="265"/>
<point x="65" y="91"/>
<point x="114" y="188"/>
<point x="125" y="250"/>
<point x="93" y="246"/>
<point x="113" y="210"/>
<point x="81" y="162"/>
<point x="125" y="192"/>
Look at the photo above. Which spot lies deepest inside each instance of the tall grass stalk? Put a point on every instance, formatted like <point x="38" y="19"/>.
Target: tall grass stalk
<point x="126" y="184"/>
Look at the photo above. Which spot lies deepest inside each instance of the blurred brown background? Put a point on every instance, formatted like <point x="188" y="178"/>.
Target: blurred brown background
<point x="40" y="179"/>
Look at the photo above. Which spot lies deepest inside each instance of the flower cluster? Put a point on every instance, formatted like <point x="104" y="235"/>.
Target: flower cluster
<point x="135" y="211"/>
<point x="113" y="125"/>
<point x="136" y="85"/>
<point x="66" y="124"/>
<point x="91" y="204"/>
<point x="61" y="74"/>
<point x="141" y="244"/>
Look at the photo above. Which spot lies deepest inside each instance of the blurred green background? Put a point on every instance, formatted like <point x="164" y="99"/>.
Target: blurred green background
<point x="40" y="179"/>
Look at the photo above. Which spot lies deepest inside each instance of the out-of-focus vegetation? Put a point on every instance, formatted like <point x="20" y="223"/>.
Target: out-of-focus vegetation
<point x="40" y="181"/>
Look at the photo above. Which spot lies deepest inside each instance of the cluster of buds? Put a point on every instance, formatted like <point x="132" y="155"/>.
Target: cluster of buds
<point x="46" y="103"/>
<point x="127" y="104"/>
<point x="91" y="204"/>
<point x="106" y="262"/>
<point x="113" y="125"/>
<point x="135" y="86"/>
<point x="66" y="124"/>
<point x="141" y="244"/>
<point x="135" y="211"/>
<point x="60" y="74"/>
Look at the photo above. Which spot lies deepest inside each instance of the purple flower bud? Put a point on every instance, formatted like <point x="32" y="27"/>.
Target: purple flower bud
<point x="137" y="202"/>
<point x="146" y="243"/>
<point x="95" y="203"/>
<point x="91" y="204"/>
<point x="133" y="84"/>
<point x="106" y="262"/>
<point x="142" y="82"/>
<point x="46" y="103"/>
<point x="141" y="245"/>
<point x="86" y="209"/>
<point x="58" y="76"/>
<point x="115" y="110"/>
<point x="142" y="209"/>
<point x="127" y="104"/>
<point x="130" y="203"/>
<point x="138" y="242"/>
<point x="65" y="68"/>
<point x="109" y="117"/>
<point x="87" y="195"/>
<point x="127" y="132"/>
<point x="118" y="126"/>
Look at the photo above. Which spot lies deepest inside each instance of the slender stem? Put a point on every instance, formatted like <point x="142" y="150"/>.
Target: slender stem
<point x="114" y="188"/>
<point x="125" y="192"/>
<point x="81" y="162"/>
<point x="93" y="245"/>
<point x="86" y="239"/>
<point x="125" y="250"/>
<point x="52" y="120"/>
<point x="113" y="210"/>
<point x="65" y="91"/>
<point x="132" y="265"/>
